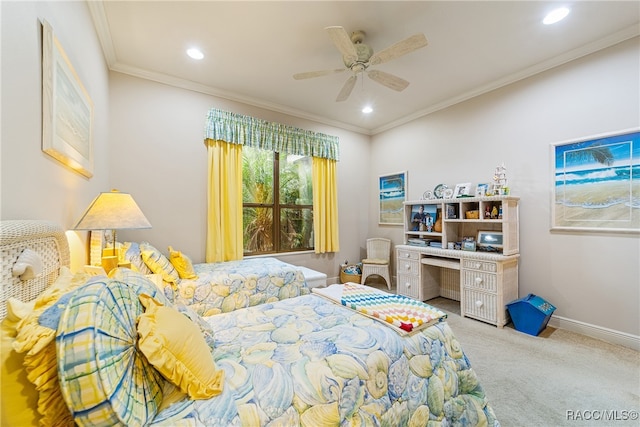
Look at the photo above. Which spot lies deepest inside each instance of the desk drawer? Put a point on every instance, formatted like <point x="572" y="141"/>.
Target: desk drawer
<point x="480" y="281"/>
<point x="408" y="266"/>
<point x="479" y="305"/>
<point x="409" y="286"/>
<point x="404" y="254"/>
<point x="470" y="264"/>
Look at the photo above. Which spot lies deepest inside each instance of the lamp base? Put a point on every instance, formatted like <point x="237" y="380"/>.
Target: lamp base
<point x="109" y="263"/>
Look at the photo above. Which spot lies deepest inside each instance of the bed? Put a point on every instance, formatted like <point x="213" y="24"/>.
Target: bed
<point x="94" y="356"/>
<point x="220" y="287"/>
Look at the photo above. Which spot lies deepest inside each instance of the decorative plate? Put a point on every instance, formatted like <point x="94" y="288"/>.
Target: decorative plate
<point x="447" y="193"/>
<point x="438" y="192"/>
<point x="427" y="195"/>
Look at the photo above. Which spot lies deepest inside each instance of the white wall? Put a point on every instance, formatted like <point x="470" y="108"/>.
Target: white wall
<point x="158" y="155"/>
<point x="591" y="278"/>
<point x="33" y="184"/>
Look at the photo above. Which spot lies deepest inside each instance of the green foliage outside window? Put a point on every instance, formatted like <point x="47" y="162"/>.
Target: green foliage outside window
<point x="288" y="210"/>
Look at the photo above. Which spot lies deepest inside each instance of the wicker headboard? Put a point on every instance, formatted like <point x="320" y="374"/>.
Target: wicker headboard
<point x="45" y="238"/>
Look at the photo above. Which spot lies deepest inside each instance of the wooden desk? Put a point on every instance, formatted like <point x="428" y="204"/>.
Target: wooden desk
<point x="483" y="282"/>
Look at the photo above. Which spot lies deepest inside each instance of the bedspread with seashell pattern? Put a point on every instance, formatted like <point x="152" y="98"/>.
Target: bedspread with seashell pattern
<point x="307" y="361"/>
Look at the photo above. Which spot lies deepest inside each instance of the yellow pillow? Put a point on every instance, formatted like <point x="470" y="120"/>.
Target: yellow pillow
<point x="18" y="396"/>
<point x="182" y="264"/>
<point x="176" y="348"/>
<point x="39" y="345"/>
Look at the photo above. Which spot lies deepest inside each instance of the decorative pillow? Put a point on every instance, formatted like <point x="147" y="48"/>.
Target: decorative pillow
<point x="205" y="329"/>
<point x="37" y="340"/>
<point x="176" y="347"/>
<point x="142" y="283"/>
<point x="132" y="254"/>
<point x="18" y="395"/>
<point x="104" y="379"/>
<point x="182" y="264"/>
<point x="158" y="263"/>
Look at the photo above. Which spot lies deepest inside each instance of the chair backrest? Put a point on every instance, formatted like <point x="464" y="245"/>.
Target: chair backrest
<point x="378" y="248"/>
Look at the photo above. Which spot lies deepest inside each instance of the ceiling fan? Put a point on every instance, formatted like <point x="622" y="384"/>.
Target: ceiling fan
<point x="358" y="57"/>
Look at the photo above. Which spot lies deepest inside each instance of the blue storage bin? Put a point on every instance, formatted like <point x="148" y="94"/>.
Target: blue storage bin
<point x="530" y="314"/>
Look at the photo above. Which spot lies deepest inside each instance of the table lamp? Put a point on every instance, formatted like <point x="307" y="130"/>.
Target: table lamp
<point x="112" y="211"/>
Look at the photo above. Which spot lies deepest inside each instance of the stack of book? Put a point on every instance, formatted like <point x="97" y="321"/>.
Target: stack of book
<point x="435" y="244"/>
<point x="415" y="241"/>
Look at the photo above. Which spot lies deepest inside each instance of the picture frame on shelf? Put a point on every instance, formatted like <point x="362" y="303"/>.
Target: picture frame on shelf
<point x="469" y="244"/>
<point x="463" y="189"/>
<point x="594" y="183"/>
<point x="67" y="109"/>
<point x="481" y="189"/>
<point x="451" y="211"/>
<point x="423" y="217"/>
<point x="392" y="194"/>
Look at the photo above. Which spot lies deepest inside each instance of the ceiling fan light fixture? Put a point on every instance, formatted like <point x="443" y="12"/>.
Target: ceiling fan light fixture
<point x="367" y="109"/>
<point x="556" y="15"/>
<point x="195" y="53"/>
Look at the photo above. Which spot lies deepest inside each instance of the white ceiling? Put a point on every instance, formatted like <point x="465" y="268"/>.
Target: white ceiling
<point x="252" y="49"/>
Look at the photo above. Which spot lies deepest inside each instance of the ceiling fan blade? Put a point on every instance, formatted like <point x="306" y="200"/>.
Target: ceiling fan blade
<point x="347" y="88"/>
<point x="388" y="80"/>
<point x="312" y="74"/>
<point x="399" y="49"/>
<point x="343" y="42"/>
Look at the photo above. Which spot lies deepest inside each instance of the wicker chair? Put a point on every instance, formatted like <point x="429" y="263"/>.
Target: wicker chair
<point x="377" y="260"/>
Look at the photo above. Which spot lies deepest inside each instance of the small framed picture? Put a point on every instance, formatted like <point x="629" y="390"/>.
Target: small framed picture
<point x="481" y="190"/>
<point x="462" y="189"/>
<point x="452" y="212"/>
<point x="469" y="243"/>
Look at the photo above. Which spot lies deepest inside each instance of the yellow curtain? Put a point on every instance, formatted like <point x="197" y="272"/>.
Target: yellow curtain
<point x="224" y="201"/>
<point x="325" y="205"/>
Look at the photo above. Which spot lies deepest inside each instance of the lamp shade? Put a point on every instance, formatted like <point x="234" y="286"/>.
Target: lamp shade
<point x="113" y="211"/>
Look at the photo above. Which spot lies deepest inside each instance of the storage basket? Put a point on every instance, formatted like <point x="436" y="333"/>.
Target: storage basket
<point x="472" y="214"/>
<point x="346" y="276"/>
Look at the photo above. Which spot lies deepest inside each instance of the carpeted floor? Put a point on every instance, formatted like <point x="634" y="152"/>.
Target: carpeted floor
<point x="559" y="378"/>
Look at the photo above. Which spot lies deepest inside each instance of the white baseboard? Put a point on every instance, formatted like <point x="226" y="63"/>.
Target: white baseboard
<point x="599" y="332"/>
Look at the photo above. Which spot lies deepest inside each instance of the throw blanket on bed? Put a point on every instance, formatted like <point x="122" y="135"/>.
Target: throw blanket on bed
<point x="401" y="312"/>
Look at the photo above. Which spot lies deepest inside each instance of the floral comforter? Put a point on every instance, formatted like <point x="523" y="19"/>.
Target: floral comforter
<point x="222" y="287"/>
<point x="310" y="362"/>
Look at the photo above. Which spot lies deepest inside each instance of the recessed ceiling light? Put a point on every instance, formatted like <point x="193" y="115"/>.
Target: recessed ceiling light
<point x="555" y="16"/>
<point x="195" y="53"/>
<point x="367" y="109"/>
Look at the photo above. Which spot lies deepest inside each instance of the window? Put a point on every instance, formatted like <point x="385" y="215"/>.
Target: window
<point x="277" y="202"/>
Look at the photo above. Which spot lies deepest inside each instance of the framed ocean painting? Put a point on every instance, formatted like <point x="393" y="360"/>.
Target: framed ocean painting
<point x="596" y="183"/>
<point x="67" y="109"/>
<point x="393" y="192"/>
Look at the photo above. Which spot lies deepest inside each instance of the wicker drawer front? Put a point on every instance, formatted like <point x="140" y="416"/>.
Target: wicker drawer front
<point x="480" y="305"/>
<point x="480" y="281"/>
<point x="407" y="255"/>
<point x="408" y="286"/>
<point x="406" y="266"/>
<point x="470" y="264"/>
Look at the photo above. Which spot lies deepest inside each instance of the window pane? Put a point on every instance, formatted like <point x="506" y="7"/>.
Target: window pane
<point x="296" y="229"/>
<point x="258" y="226"/>
<point x="295" y="180"/>
<point x="257" y="175"/>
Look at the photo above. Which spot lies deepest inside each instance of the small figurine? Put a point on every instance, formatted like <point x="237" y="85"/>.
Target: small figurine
<point x="494" y="213"/>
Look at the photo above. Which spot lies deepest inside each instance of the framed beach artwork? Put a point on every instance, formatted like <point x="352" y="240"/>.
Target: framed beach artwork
<point x="596" y="183"/>
<point x="67" y="109"/>
<point x="392" y="194"/>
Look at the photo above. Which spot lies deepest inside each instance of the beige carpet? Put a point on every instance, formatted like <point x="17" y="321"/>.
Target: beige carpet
<point x="558" y="378"/>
